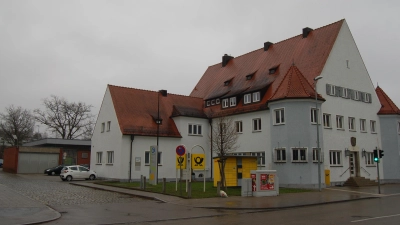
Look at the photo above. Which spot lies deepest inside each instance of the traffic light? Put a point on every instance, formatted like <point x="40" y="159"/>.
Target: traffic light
<point x="381" y="153"/>
<point x="376" y="155"/>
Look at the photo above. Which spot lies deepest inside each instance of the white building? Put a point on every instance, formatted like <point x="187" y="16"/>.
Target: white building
<point x="270" y="95"/>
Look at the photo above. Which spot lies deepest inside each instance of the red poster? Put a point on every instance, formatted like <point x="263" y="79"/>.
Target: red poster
<point x="267" y="182"/>
<point x="253" y="182"/>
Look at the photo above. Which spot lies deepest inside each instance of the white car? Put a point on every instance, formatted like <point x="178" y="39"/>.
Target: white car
<point x="69" y="173"/>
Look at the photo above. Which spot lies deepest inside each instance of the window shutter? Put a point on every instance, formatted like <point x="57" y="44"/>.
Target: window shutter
<point x="338" y="91"/>
<point x="328" y="89"/>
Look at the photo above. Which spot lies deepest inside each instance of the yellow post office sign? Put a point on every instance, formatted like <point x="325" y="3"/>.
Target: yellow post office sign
<point x="198" y="161"/>
<point x="181" y="162"/>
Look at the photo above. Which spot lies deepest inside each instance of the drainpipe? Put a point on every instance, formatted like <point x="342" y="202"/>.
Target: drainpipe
<point x="211" y="151"/>
<point x="130" y="159"/>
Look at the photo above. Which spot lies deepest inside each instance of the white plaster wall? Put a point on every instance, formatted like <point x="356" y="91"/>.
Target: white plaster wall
<point x="356" y="77"/>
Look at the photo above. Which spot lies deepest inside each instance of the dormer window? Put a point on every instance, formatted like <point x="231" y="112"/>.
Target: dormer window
<point x="247" y="98"/>
<point x="217" y="101"/>
<point x="273" y="70"/>
<point x="208" y="103"/>
<point x="213" y="102"/>
<point x="256" y="96"/>
<point x="224" y="103"/>
<point x="232" y="101"/>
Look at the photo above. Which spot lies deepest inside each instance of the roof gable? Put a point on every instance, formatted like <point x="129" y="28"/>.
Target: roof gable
<point x="136" y="110"/>
<point x="388" y="106"/>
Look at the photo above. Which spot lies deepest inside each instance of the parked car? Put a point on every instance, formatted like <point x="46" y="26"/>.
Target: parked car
<point x="1" y="163"/>
<point x="54" y="170"/>
<point x="69" y="173"/>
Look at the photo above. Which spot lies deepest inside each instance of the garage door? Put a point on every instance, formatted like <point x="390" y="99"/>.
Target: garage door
<point x="36" y="162"/>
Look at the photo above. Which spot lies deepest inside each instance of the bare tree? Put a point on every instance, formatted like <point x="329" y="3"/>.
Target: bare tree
<point x="68" y="119"/>
<point x="17" y="125"/>
<point x="223" y="141"/>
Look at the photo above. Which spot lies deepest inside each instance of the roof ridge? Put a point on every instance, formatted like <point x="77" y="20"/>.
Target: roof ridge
<point x="281" y="41"/>
<point x="151" y="91"/>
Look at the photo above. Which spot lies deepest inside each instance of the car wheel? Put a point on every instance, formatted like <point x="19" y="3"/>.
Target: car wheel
<point x="53" y="173"/>
<point x="69" y="178"/>
<point x="92" y="177"/>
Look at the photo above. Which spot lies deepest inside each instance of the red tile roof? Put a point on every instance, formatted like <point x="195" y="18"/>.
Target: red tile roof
<point x="388" y="106"/>
<point x="309" y="55"/>
<point x="136" y="110"/>
<point x="294" y="86"/>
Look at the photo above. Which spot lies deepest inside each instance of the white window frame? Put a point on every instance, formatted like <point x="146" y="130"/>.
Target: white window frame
<point x="256" y="124"/>
<point x="103" y="127"/>
<point x="366" y="97"/>
<point x="147" y="158"/>
<point x="247" y="98"/>
<point x="314" y="115"/>
<point x="280" y="155"/>
<point x="327" y="119"/>
<point x="110" y="157"/>
<point x="373" y="126"/>
<point x="369" y="159"/>
<point x="301" y="154"/>
<point x="217" y="101"/>
<point x="239" y="127"/>
<point x="279" y="116"/>
<point x="225" y="103"/>
<point x="213" y="102"/>
<point x="232" y="101"/>
<point x="356" y="95"/>
<point x="345" y="93"/>
<point x="363" y="125"/>
<point x="108" y="126"/>
<point x="339" y="122"/>
<point x="335" y="158"/>
<point x="260" y="158"/>
<point x="333" y="90"/>
<point x="314" y="156"/>
<point x="352" y="124"/>
<point x="194" y="129"/>
<point x="208" y="103"/>
<point x="99" y="157"/>
<point x="256" y="96"/>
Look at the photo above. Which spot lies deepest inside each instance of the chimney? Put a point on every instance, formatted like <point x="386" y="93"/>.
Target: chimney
<point x="267" y="45"/>
<point x="225" y="59"/>
<point x="306" y="31"/>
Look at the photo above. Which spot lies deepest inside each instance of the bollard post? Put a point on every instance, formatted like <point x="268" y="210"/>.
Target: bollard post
<point x="218" y="187"/>
<point x="141" y="181"/>
<point x="144" y="182"/>
<point x="190" y="190"/>
<point x="164" y="187"/>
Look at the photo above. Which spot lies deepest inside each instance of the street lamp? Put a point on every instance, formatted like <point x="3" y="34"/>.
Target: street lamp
<point x="159" y="122"/>
<point x="318" y="149"/>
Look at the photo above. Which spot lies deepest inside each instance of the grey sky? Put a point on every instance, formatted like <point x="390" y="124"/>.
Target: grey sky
<point x="73" y="49"/>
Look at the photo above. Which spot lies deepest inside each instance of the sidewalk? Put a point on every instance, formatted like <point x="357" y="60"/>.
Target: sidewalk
<point x="328" y="195"/>
<point x="18" y="209"/>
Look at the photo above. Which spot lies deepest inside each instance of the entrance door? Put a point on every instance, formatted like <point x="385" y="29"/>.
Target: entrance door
<point x="354" y="164"/>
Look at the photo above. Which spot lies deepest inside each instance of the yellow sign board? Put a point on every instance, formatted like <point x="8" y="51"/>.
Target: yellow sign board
<point x="181" y="161"/>
<point x="198" y="161"/>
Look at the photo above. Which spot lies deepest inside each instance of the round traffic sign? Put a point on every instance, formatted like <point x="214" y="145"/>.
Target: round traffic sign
<point x="180" y="150"/>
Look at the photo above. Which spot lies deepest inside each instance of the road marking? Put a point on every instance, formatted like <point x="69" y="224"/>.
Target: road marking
<point x="380" y="217"/>
<point x="333" y="189"/>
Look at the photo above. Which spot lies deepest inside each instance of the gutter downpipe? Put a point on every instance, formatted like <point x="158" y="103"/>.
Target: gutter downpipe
<point x="211" y="158"/>
<point x="130" y="159"/>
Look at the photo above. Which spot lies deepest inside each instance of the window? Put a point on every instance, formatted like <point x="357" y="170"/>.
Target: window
<point x="232" y="101"/>
<point x="217" y="101"/>
<point x="314" y="115"/>
<point x="99" y="157"/>
<point x="279" y="116"/>
<point x="260" y="158"/>
<point x="373" y="126"/>
<point x="239" y="126"/>
<point x="369" y="159"/>
<point x="330" y="89"/>
<point x="85" y="155"/>
<point x="339" y="122"/>
<point x="367" y="97"/>
<point x="315" y="155"/>
<point x="110" y="157"/>
<point x="352" y="123"/>
<point x="103" y="125"/>
<point x="147" y="158"/>
<point x="362" y="125"/>
<point x="224" y="103"/>
<point x="299" y="155"/>
<point x="194" y="129"/>
<point x="247" y="98"/>
<point x="213" y="102"/>
<point x="108" y="125"/>
<point x="345" y="93"/>
<point x="84" y="169"/>
<point x="335" y="158"/>
<point x="208" y="103"/>
<point x="356" y="95"/>
<point x="327" y="120"/>
<point x="257" y="124"/>
<point x="256" y="96"/>
<point x="280" y="155"/>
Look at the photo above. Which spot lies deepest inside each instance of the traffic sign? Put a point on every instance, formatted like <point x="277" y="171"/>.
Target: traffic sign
<point x="180" y="150"/>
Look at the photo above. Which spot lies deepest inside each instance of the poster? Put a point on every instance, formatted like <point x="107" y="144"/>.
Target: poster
<point x="253" y="182"/>
<point x="267" y="182"/>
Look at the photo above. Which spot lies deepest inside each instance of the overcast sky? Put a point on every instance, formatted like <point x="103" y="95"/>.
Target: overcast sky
<point x="73" y="49"/>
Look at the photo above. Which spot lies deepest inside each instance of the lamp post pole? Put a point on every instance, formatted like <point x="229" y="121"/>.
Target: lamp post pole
<point x="163" y="93"/>
<point x="317" y="118"/>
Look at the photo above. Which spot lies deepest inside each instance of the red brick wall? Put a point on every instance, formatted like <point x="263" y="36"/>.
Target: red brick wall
<point x="10" y="163"/>
<point x="83" y="160"/>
